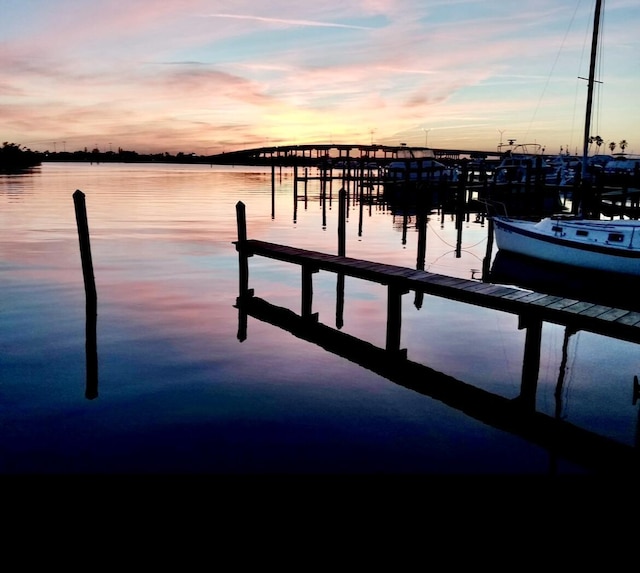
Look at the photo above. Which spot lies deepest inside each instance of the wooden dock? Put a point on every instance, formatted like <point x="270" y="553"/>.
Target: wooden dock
<point x="531" y="307"/>
<point x="516" y="415"/>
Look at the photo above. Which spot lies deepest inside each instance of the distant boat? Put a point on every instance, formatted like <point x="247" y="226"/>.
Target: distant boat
<point x="418" y="166"/>
<point x="519" y="162"/>
<point x="417" y="177"/>
<point x="596" y="244"/>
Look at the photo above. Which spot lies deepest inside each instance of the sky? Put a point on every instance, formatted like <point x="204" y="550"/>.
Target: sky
<point x="212" y="76"/>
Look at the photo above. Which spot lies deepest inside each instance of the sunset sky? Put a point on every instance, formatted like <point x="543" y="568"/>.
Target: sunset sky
<point x="207" y="76"/>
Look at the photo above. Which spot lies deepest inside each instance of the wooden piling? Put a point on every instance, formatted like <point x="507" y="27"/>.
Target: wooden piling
<point x="91" y="296"/>
<point x="243" y="256"/>
<point x="342" y="221"/>
<point x="273" y="190"/>
<point x="486" y="262"/>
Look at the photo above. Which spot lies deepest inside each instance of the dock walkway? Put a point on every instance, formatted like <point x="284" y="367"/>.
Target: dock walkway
<point x="530" y="306"/>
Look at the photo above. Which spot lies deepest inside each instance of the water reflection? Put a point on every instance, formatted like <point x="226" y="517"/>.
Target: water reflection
<point x="619" y="291"/>
<point x="179" y="393"/>
<point x="517" y="416"/>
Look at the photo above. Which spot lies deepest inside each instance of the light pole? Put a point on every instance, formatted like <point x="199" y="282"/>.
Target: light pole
<point x="426" y="136"/>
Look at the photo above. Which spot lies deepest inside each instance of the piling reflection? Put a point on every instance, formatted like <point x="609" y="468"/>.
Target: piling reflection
<point x="91" y="346"/>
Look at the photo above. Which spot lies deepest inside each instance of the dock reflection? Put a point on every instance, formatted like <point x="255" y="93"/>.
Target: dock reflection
<point x="518" y="416"/>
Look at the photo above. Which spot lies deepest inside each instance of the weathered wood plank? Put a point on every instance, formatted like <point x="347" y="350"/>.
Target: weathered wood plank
<point x="516" y="294"/>
<point x="595" y="310"/>
<point x="562" y="303"/>
<point x="613" y="314"/>
<point x="547" y="300"/>
<point x="630" y="319"/>
<point x="579" y="307"/>
<point x="532" y="297"/>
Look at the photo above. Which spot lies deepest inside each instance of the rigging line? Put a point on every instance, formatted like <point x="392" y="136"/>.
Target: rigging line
<point x="453" y="246"/>
<point x="546" y="85"/>
<point x="430" y="264"/>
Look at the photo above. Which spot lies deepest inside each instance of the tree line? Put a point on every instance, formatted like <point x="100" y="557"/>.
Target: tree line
<point x="15" y="157"/>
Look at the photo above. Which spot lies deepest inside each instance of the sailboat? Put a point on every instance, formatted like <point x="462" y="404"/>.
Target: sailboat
<point x="576" y="241"/>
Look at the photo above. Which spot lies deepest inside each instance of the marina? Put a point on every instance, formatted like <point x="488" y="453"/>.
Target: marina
<point x="179" y="371"/>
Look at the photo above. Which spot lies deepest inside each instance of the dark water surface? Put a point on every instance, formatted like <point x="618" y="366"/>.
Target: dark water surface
<point x="179" y="392"/>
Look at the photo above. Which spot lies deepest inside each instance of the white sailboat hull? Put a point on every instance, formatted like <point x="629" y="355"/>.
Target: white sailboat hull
<point x="611" y="246"/>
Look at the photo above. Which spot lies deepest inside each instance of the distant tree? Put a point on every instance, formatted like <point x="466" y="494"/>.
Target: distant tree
<point x="623" y="145"/>
<point x="612" y="145"/>
<point x="598" y="141"/>
<point x="14" y="158"/>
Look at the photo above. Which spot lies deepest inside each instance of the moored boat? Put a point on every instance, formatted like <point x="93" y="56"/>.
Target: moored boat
<point x="587" y="243"/>
<point x="418" y="166"/>
<point x="612" y="246"/>
<point x="417" y="177"/>
<point x="521" y="162"/>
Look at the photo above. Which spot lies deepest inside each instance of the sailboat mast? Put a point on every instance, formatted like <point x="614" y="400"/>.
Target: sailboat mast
<point x="592" y="72"/>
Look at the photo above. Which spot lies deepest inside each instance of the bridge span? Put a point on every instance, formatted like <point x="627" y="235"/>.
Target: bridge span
<point x="322" y="153"/>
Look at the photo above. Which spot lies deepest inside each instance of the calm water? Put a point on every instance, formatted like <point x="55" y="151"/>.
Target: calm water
<point x="178" y="392"/>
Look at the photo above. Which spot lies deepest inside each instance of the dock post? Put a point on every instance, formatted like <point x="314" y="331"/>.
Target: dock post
<point x="342" y="217"/>
<point x="243" y="257"/>
<point x="91" y="346"/>
<point x="295" y="184"/>
<point x="360" y="211"/>
<point x="422" y="222"/>
<point x="486" y="262"/>
<point x="273" y="189"/>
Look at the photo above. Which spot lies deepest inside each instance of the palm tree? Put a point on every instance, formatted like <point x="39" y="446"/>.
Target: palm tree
<point x="623" y="144"/>
<point x="612" y="145"/>
<point x="599" y="141"/>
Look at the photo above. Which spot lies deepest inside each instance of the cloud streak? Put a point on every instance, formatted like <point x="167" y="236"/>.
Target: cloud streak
<point x="287" y="22"/>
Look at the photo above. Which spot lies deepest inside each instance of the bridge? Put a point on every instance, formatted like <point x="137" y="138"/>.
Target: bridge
<point x="322" y="153"/>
